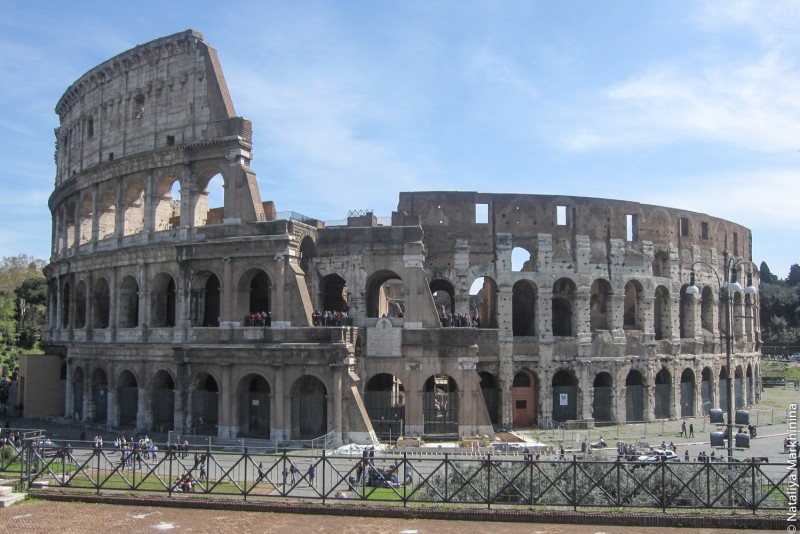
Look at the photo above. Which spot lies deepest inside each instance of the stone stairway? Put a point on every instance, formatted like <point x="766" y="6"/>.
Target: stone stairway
<point x="8" y="496"/>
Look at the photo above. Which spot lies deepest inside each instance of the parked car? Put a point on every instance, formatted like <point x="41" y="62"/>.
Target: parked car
<point x="657" y="455"/>
<point x="45" y="447"/>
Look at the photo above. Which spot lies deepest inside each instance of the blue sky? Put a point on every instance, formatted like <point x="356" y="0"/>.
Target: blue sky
<point x="688" y="104"/>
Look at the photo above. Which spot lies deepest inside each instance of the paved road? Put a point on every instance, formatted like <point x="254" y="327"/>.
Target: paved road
<point x="49" y="517"/>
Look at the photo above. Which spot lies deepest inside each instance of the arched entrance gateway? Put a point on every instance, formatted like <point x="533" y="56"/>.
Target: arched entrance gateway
<point x="309" y="408"/>
<point x="385" y="400"/>
<point x="440" y="407"/>
<point x="99" y="397"/>
<point x="707" y="390"/>
<point x="128" y="399"/>
<point x="524" y="397"/>
<point x="634" y="397"/>
<point x="77" y="394"/>
<point x="163" y="402"/>
<point x="602" y="401"/>
<point x="565" y="396"/>
<point x="663" y="394"/>
<point x="687" y="393"/>
<point x="254" y="418"/>
<point x="205" y="405"/>
<point x="491" y="396"/>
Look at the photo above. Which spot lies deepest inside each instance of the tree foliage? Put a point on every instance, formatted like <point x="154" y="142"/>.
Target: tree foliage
<point x="780" y="306"/>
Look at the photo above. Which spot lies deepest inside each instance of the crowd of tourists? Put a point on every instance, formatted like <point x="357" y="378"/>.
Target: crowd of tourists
<point x="458" y="320"/>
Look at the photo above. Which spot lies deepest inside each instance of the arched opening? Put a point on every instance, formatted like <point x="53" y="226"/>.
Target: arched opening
<point x="211" y="301"/>
<point x="599" y="301"/>
<point x="127" y="399"/>
<point x="210" y="202"/>
<point x="634" y="397"/>
<point x="168" y="204"/>
<point x="523" y="306"/>
<point x="385" y="399"/>
<point x="738" y="387"/>
<point x="563" y="304"/>
<point x="99" y="407"/>
<point x="491" y="396"/>
<point x="129" y="303"/>
<point x="162" y="312"/>
<point x="85" y="220"/>
<point x="163" y="402"/>
<point x="254" y="303"/>
<point x="102" y="304"/>
<point x="723" y="388"/>
<point x="385" y="295"/>
<point x="254" y="407"/>
<point x="483" y="302"/>
<point x="686" y="314"/>
<point x="565" y="396"/>
<point x="687" y="393"/>
<point x="80" y="305"/>
<point x="524" y="396"/>
<point x="107" y="214"/>
<point x="707" y="310"/>
<point x="205" y="405"/>
<point x="77" y="394"/>
<point x="661" y="315"/>
<point x="749" y="399"/>
<point x="707" y="390"/>
<point x="65" y="305"/>
<point x="440" y="406"/>
<point x="602" y="403"/>
<point x="663" y="393"/>
<point x="133" y="209"/>
<point x="333" y="294"/>
<point x="309" y="408"/>
<point x="522" y="260"/>
<point x="444" y="297"/>
<point x="632" y="314"/>
<point x="69" y="225"/>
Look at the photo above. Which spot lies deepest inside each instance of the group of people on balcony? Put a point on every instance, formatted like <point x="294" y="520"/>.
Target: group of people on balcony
<point x="330" y="318"/>
<point x="261" y="318"/>
<point x="458" y="320"/>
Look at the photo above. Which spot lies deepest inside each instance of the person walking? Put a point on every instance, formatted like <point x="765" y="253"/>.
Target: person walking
<point x="293" y="474"/>
<point x="312" y="471"/>
<point x="683" y="429"/>
<point x="691" y="430"/>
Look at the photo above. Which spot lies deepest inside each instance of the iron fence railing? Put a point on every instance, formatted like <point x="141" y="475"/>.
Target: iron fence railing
<point x="408" y="479"/>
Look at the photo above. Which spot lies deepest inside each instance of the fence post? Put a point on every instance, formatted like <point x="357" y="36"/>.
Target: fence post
<point x="489" y="481"/>
<point x="575" y="482"/>
<point x="246" y="464"/>
<point x="171" y="452"/>
<point x="324" y="465"/>
<point x="446" y="477"/>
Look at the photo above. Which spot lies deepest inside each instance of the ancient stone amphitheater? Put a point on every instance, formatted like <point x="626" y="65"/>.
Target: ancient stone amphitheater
<point x="461" y="313"/>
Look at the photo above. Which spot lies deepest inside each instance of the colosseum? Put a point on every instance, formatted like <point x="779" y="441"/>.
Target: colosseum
<point x="461" y="313"/>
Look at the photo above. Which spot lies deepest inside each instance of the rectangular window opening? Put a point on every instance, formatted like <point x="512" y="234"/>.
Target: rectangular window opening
<point x="684" y="226"/>
<point x="735" y="244"/>
<point x="630" y="227"/>
<point x="90" y="127"/>
<point x="170" y="140"/>
<point x="481" y="213"/>
<point x="561" y="215"/>
<point x="704" y="230"/>
<point x="110" y="156"/>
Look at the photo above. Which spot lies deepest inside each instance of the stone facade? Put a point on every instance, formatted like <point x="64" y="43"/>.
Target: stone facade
<point x="432" y="329"/>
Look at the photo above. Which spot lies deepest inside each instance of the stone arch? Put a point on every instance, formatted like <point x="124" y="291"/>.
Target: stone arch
<point x="101" y="304"/>
<point x="563" y="304"/>
<point x="133" y="209"/>
<point x="483" y="301"/>
<point x="440" y="405"/>
<point x="707" y="310"/>
<point x="687" y="393"/>
<point x="206" y="297"/>
<point x="525" y="399"/>
<point x="65" y="304"/>
<point x="162" y="401"/>
<point x="663" y="393"/>
<point x="385" y="400"/>
<point x="129" y="303"/>
<point x="205" y="405"/>
<point x="80" y="304"/>
<point x="77" y="394"/>
<point x="444" y="297"/>
<point x="603" y="399"/>
<point x="107" y="214"/>
<point x="385" y="295"/>
<point x="599" y="302"/>
<point x="309" y="408"/>
<point x="565" y="396"/>
<point x="749" y="399"/>
<point x="661" y="314"/>
<point x="163" y="301"/>
<point x="209" y="201"/>
<point x="707" y="389"/>
<point x="167" y="208"/>
<point x="85" y="219"/>
<point x="523" y="305"/>
<point x="308" y="251"/>
<point x="69" y="224"/>
<point x="634" y="396"/>
<point x="723" y="387"/>
<point x="522" y="260"/>
<point x="632" y="317"/>
<point x="491" y="395"/>
<point x="333" y="293"/>
<point x="254" y="407"/>
<point x="686" y="313"/>
<point x="738" y="387"/>
<point x="254" y="296"/>
<point x="99" y="406"/>
<point x="127" y="399"/>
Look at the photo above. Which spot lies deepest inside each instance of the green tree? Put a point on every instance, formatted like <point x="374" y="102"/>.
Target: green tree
<point x="15" y="269"/>
<point x="794" y="275"/>
<point x="766" y="275"/>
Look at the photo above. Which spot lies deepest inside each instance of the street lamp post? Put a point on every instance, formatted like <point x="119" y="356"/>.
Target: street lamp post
<point x="729" y="284"/>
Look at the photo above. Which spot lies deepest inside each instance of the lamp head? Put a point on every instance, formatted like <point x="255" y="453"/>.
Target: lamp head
<point x="692" y="289"/>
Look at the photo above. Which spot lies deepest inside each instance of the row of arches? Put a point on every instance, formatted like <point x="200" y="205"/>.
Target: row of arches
<point x="130" y="208"/>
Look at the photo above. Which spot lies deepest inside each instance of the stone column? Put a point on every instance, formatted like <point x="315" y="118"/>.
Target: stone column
<point x="337" y="401"/>
<point x="226" y="293"/>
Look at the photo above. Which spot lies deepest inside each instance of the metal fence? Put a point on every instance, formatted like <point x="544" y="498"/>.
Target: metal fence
<point x="482" y="480"/>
